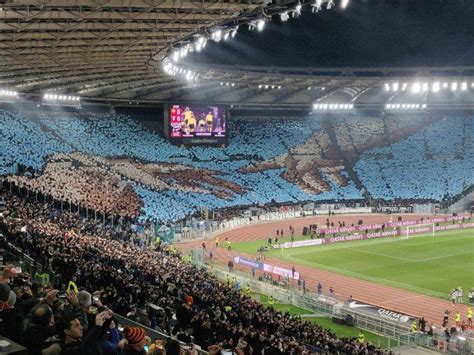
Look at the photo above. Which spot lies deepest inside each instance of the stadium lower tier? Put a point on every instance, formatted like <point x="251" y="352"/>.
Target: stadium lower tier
<point x="88" y="258"/>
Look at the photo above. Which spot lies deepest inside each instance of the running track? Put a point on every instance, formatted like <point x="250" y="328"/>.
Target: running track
<point x="396" y="299"/>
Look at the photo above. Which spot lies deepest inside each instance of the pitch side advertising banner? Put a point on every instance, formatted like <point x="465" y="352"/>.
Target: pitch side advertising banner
<point x="390" y="225"/>
<point x="357" y="236"/>
<point x="380" y="313"/>
<point x="299" y="243"/>
<point x="247" y="262"/>
<point x="265" y="267"/>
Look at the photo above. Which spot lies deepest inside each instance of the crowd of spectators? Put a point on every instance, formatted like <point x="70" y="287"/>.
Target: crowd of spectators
<point x="155" y="287"/>
<point x="287" y="161"/>
<point x="433" y="163"/>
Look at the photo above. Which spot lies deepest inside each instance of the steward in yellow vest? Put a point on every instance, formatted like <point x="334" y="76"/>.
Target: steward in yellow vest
<point x="271" y="301"/>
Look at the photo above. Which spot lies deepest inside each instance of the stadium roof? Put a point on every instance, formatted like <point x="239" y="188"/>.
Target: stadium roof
<point x="99" y="46"/>
<point x="113" y="51"/>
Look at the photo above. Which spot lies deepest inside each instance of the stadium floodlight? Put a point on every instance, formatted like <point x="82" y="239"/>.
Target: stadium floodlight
<point x="197" y="46"/>
<point x="344" y="4"/>
<point x="397" y="106"/>
<point x="284" y="16"/>
<point x="423" y="106"/>
<point x="316" y="7"/>
<point x="403" y="106"/>
<point x="388" y="106"/>
<point x="404" y="86"/>
<point x="260" y="25"/>
<point x="216" y="36"/>
<point x="297" y="11"/>
<point x="200" y="43"/>
<point x="454" y="86"/>
<point x="233" y="84"/>
<point x="260" y="86"/>
<point x="445" y="85"/>
<point x="266" y="86"/>
<point x="425" y="87"/>
<point x="472" y="85"/>
<point x="279" y="87"/>
<point x="417" y="106"/>
<point x="316" y="106"/>
<point x="387" y="86"/>
<point x="233" y="32"/>
<point x="226" y="35"/>
<point x="222" y="83"/>
<point x="395" y="87"/>
<point x="463" y="86"/>
<point x="330" y="4"/>
<point x="175" y="56"/>
<point x="416" y="87"/>
<point x="436" y="87"/>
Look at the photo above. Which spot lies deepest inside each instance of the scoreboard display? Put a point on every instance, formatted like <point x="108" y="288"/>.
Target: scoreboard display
<point x="197" y="124"/>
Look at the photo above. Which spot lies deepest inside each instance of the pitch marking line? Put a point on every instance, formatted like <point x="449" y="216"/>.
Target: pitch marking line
<point x="381" y="254"/>
<point x="412" y="260"/>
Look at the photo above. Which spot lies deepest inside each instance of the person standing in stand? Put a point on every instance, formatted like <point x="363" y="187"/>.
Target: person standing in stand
<point x="457" y="319"/>
<point x="446" y="318"/>
<point x="454" y="296"/>
<point x="459" y="295"/>
<point x="320" y="288"/>
<point x="331" y="292"/>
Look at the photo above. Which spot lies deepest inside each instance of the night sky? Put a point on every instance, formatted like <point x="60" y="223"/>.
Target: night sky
<point x="369" y="33"/>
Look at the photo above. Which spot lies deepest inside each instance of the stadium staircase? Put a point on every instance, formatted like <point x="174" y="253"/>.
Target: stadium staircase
<point x="465" y="203"/>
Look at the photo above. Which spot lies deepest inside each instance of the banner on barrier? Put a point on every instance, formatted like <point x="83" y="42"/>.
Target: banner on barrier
<point x="258" y="265"/>
<point x="335" y="230"/>
<point x="381" y="313"/>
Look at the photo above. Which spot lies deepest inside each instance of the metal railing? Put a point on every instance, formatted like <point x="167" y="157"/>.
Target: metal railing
<point x="374" y="324"/>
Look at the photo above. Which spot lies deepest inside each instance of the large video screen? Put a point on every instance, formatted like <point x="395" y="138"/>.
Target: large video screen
<point x="192" y="121"/>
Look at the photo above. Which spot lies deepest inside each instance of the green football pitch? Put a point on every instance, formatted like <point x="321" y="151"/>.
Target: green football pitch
<point x="430" y="265"/>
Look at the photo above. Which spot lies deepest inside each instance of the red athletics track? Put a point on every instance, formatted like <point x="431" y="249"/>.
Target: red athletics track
<point x="397" y="299"/>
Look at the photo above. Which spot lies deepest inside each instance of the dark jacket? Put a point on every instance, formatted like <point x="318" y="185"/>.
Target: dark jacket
<point x="130" y="351"/>
<point x="89" y="346"/>
<point x="35" y="337"/>
<point x="11" y="324"/>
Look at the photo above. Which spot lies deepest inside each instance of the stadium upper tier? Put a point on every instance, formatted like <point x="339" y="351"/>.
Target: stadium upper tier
<point x="114" y="164"/>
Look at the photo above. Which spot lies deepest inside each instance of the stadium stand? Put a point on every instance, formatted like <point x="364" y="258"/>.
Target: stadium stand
<point x="127" y="278"/>
<point x="305" y="160"/>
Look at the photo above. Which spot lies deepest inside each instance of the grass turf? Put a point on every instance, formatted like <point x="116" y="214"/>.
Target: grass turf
<point x="338" y="329"/>
<point x="424" y="264"/>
